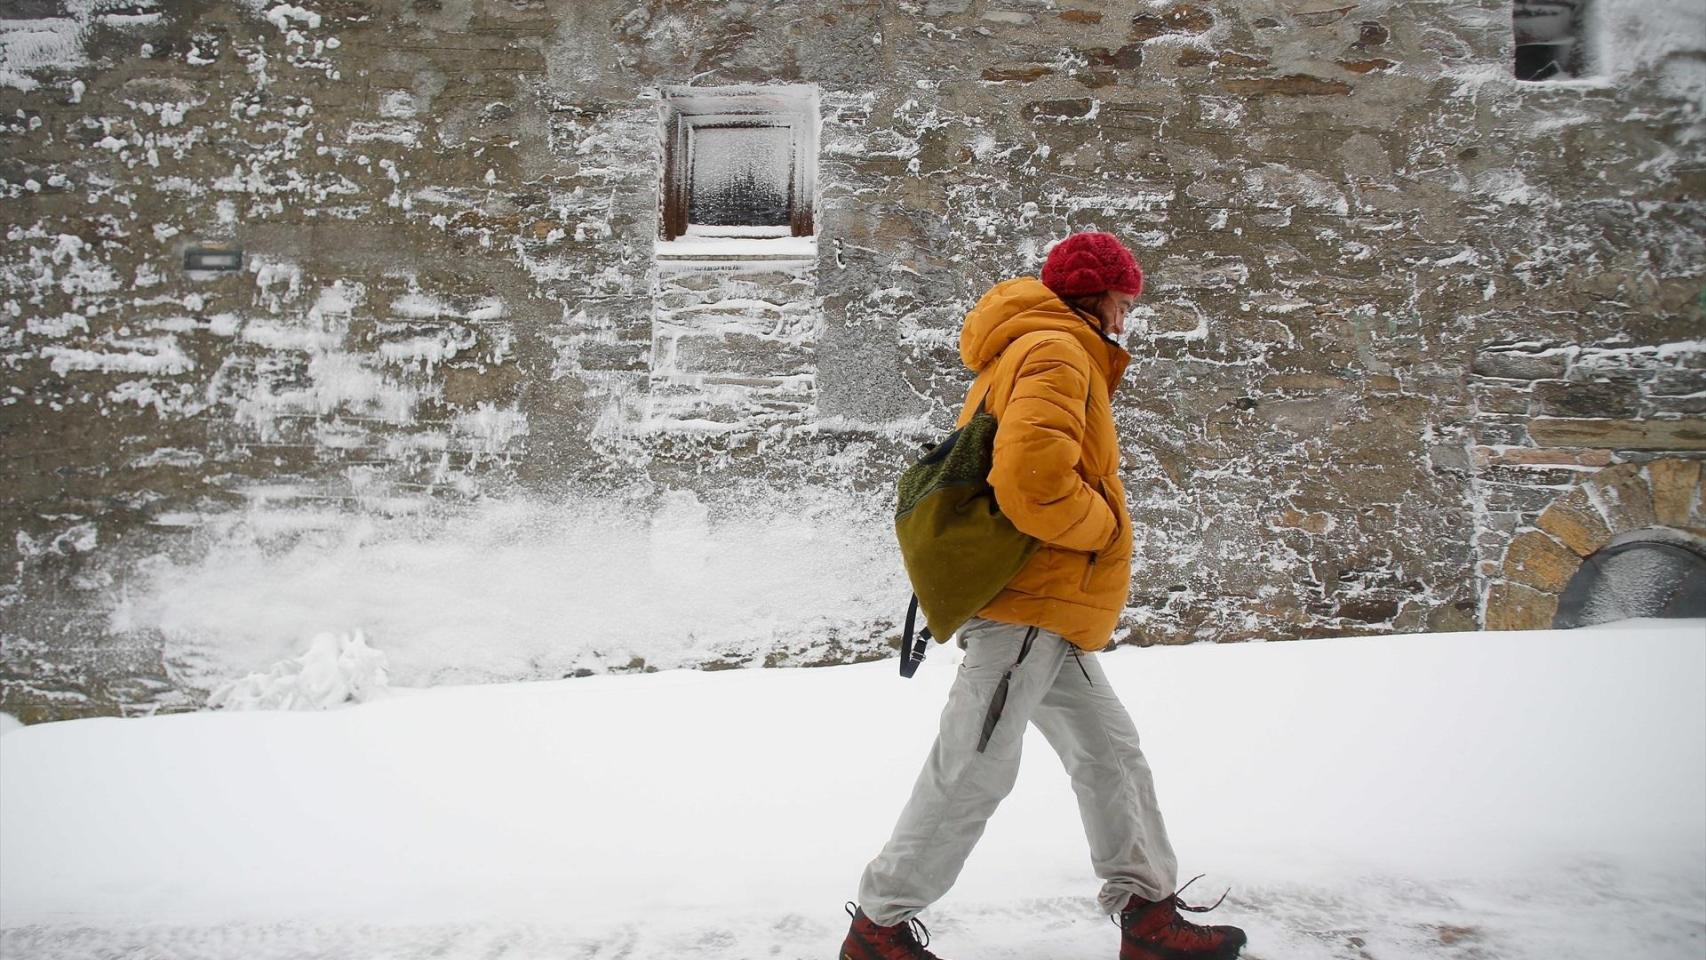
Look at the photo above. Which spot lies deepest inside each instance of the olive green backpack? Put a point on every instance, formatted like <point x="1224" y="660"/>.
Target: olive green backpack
<point x="959" y="549"/>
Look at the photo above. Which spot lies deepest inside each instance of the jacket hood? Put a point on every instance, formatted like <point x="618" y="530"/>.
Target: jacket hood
<point x="1023" y="305"/>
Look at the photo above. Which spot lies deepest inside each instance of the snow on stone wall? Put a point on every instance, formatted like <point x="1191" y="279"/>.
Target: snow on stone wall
<point x="452" y="307"/>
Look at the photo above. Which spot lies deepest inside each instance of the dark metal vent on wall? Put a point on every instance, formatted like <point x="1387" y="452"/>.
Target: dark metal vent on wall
<point x="1549" y="38"/>
<point x="1638" y="578"/>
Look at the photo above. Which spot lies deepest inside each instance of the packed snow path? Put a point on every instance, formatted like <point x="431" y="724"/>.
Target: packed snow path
<point x="1538" y="795"/>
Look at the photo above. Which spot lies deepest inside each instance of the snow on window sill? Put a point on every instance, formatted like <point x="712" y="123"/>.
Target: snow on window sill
<point x="753" y="248"/>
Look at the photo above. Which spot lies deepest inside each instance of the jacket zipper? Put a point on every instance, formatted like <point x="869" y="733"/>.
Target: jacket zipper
<point x="1088" y="569"/>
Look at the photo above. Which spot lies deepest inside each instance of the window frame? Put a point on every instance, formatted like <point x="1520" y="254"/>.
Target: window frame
<point x="686" y="108"/>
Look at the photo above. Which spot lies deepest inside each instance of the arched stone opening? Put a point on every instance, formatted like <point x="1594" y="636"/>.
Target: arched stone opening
<point x="1640" y="513"/>
<point x="1648" y="573"/>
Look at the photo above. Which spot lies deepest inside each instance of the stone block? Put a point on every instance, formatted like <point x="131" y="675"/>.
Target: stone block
<point x="1521" y="499"/>
<point x="1072" y="108"/>
<point x="1183" y="18"/>
<point x="1497" y="396"/>
<point x="1697" y="507"/>
<point x="1016" y="74"/>
<point x="630" y="355"/>
<point x="1543" y="457"/>
<point x="1128" y="57"/>
<point x="1529" y="475"/>
<point x="1081" y="16"/>
<point x="1623" y="497"/>
<point x="1679" y="406"/>
<point x="1291" y="85"/>
<point x="1513" y="606"/>
<point x="1674" y="486"/>
<point x="1563" y="398"/>
<point x="1541" y="562"/>
<point x="1678" y="382"/>
<point x="1316" y="523"/>
<point x="1192" y="57"/>
<point x="1499" y="433"/>
<point x="742" y="355"/>
<point x="1511" y="364"/>
<point x="1370" y="65"/>
<point x="1682" y="433"/>
<point x="1576" y="522"/>
<point x="1371" y="33"/>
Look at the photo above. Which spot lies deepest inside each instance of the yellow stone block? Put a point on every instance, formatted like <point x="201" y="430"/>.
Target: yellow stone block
<point x="1541" y="562"/>
<point x="1573" y="519"/>
<point x="1512" y="606"/>
<point x="1673" y="483"/>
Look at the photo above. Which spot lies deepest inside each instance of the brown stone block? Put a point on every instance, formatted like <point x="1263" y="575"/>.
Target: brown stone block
<point x="1291" y="85"/>
<point x="1541" y="562"/>
<point x="1192" y="57"/>
<point x="1684" y="433"/>
<point x="1242" y="61"/>
<point x="1081" y="16"/>
<point x="1016" y="74"/>
<point x="1623" y="497"/>
<point x="1512" y="606"/>
<point x="1367" y="66"/>
<point x="1574" y="520"/>
<point x="1316" y="523"/>
<point x="1128" y="57"/>
<point x="1674" y="484"/>
<point x="1183" y="18"/>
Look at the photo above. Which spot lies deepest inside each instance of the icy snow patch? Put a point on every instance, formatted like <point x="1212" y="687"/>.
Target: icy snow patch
<point x="336" y="668"/>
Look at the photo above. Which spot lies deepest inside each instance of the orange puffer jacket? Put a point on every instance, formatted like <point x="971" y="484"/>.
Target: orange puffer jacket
<point x="1048" y="373"/>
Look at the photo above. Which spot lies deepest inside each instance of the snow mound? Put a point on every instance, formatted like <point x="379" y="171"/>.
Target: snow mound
<point x="337" y="668"/>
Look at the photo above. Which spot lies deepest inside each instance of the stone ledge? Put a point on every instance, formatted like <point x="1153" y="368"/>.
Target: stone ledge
<point x="1685" y="433"/>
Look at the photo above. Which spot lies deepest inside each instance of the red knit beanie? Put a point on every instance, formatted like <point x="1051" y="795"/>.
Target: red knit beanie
<point x="1089" y="263"/>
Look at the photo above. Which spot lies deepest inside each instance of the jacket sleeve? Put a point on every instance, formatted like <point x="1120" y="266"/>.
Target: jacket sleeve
<point x="1038" y="447"/>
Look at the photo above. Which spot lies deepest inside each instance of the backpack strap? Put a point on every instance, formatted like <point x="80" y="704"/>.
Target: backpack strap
<point x="912" y="650"/>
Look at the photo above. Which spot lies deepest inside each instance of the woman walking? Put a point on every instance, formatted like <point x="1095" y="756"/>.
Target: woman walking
<point x="1047" y="365"/>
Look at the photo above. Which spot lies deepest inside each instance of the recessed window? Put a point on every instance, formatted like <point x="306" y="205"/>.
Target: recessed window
<point x="1549" y="38"/>
<point x="740" y="162"/>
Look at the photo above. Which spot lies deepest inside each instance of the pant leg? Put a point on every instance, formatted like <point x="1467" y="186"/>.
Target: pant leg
<point x="1083" y="719"/>
<point x="959" y="788"/>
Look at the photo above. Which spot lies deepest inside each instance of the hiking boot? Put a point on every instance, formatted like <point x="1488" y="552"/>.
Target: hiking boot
<point x="1153" y="930"/>
<point x="867" y="941"/>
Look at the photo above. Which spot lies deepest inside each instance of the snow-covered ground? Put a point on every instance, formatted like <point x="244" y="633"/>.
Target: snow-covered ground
<point x="1490" y="795"/>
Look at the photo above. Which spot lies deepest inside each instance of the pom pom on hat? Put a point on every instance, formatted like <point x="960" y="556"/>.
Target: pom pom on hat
<point x="1089" y="263"/>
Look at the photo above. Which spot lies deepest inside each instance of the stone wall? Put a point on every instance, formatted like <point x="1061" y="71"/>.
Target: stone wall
<point x="1397" y="300"/>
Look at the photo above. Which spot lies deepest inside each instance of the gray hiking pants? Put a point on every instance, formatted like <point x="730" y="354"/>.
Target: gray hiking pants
<point x="1071" y="702"/>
